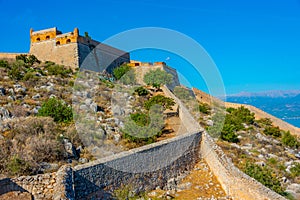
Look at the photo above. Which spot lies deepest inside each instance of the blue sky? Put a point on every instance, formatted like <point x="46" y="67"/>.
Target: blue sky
<point x="255" y="44"/>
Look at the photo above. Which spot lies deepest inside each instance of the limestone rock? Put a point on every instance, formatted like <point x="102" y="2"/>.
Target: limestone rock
<point x="70" y="149"/>
<point x="4" y="114"/>
<point x="37" y="96"/>
<point x="2" y="91"/>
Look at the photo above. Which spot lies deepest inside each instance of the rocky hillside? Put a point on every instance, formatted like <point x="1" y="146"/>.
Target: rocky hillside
<point x="51" y="116"/>
<point x="257" y="147"/>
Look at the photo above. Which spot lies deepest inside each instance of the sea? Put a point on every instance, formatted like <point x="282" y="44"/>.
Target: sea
<point x="286" y="108"/>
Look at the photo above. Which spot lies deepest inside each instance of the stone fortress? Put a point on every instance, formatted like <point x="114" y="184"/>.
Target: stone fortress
<point x="79" y="182"/>
<point x="72" y="50"/>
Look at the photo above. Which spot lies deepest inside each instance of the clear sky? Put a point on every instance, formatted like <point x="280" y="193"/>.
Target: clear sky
<point x="255" y="44"/>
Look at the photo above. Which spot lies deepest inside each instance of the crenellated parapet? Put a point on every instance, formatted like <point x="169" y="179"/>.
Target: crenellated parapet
<point x="54" y="34"/>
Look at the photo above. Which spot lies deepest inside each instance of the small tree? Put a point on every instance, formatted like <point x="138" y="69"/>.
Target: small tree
<point x="157" y="77"/>
<point x="128" y="78"/>
<point x="17" y="70"/>
<point x="228" y="133"/>
<point x="144" y="128"/>
<point x="56" y="109"/>
<point x="272" y="130"/>
<point x="204" y="108"/>
<point x="86" y="34"/>
<point x="165" y="102"/>
<point x="29" y="60"/>
<point x="4" y="64"/>
<point x="120" y="71"/>
<point x="289" y="140"/>
<point x="141" y="91"/>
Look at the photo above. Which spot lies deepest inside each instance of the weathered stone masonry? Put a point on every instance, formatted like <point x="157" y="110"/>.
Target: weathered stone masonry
<point x="72" y="50"/>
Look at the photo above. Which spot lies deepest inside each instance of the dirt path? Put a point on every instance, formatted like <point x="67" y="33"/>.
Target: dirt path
<point x="199" y="184"/>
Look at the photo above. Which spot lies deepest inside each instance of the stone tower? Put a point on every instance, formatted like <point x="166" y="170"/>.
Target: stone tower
<point x="73" y="50"/>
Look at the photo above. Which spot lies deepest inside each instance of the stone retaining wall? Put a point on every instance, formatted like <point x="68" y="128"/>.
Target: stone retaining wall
<point x="143" y="168"/>
<point x="9" y="56"/>
<point x="236" y="184"/>
<point x="40" y="186"/>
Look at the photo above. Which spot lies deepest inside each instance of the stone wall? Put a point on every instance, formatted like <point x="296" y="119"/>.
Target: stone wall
<point x="235" y="183"/>
<point x="261" y="114"/>
<point x="206" y="98"/>
<point x="66" y="54"/>
<point x="40" y="186"/>
<point x="143" y="168"/>
<point x="71" y="49"/>
<point x="101" y="57"/>
<point x="9" y="56"/>
<point x="57" y="185"/>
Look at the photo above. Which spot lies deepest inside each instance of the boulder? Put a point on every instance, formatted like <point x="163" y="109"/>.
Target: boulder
<point x="19" y="88"/>
<point x="70" y="149"/>
<point x="117" y="110"/>
<point x="294" y="190"/>
<point x="4" y="114"/>
<point x="210" y="122"/>
<point x="37" y="96"/>
<point x="2" y="91"/>
<point x="88" y="101"/>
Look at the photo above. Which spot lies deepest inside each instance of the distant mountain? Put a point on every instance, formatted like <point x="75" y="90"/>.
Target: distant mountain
<point x="272" y="94"/>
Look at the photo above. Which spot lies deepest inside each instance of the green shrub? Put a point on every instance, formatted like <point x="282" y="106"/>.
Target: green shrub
<point x="218" y="119"/>
<point x="120" y="71"/>
<point x="272" y="161"/>
<point x="228" y="133"/>
<point x="290" y="140"/>
<point x="204" y="108"/>
<point x="244" y="115"/>
<point x="29" y="60"/>
<point x="265" y="176"/>
<point x="128" y="78"/>
<point x="56" y="109"/>
<point x="17" y="166"/>
<point x="182" y="93"/>
<point x="140" y="119"/>
<point x="58" y="70"/>
<point x="30" y="76"/>
<point x="265" y="122"/>
<point x="272" y="130"/>
<point x="142" y="128"/>
<point x="17" y="70"/>
<point x="165" y="102"/>
<point x="141" y="91"/>
<point x="295" y="170"/>
<point x="4" y="64"/>
<point x="157" y="77"/>
<point x="127" y="192"/>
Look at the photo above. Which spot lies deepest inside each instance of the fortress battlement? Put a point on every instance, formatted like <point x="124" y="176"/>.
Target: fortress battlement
<point x="72" y="50"/>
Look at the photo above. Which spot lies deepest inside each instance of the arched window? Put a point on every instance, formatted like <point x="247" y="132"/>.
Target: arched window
<point x="58" y="43"/>
<point x="47" y="37"/>
<point x="38" y="39"/>
<point x="68" y="41"/>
